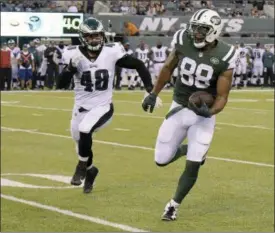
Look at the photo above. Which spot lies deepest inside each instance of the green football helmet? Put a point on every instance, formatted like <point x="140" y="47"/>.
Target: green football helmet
<point x="92" y="34"/>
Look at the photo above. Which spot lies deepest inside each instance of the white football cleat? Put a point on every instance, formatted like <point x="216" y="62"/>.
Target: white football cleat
<point x="170" y="211"/>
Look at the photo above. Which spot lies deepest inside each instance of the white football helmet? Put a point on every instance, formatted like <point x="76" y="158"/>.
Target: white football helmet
<point x="205" y="27"/>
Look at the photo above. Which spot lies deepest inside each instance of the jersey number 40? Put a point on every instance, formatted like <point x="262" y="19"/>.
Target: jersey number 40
<point x="100" y="83"/>
<point x="196" y="75"/>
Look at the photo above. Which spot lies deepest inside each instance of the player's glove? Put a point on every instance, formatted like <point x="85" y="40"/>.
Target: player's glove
<point x="149" y="102"/>
<point x="203" y="110"/>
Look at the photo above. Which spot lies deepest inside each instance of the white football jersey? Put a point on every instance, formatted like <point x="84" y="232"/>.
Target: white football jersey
<point x="242" y="53"/>
<point x="142" y="54"/>
<point x="129" y="52"/>
<point x="159" y="55"/>
<point x="94" y="78"/>
<point x="14" y="54"/>
<point x="258" y="54"/>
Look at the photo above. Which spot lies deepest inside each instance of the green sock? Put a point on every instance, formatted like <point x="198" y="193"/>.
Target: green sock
<point x="187" y="180"/>
<point x="182" y="151"/>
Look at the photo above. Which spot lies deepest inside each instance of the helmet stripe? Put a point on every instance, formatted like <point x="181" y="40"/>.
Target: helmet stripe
<point x="201" y="13"/>
<point x="194" y="17"/>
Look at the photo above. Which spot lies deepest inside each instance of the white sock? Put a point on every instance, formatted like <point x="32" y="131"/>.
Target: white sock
<point x="83" y="159"/>
<point x="88" y="168"/>
<point x="175" y="204"/>
<point x="262" y="81"/>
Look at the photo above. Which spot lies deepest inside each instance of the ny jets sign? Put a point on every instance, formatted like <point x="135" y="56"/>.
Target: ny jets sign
<point x="165" y="24"/>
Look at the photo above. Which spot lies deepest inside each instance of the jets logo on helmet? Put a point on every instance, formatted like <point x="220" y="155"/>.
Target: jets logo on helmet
<point x="92" y="34"/>
<point x="205" y="27"/>
<point x="216" y="20"/>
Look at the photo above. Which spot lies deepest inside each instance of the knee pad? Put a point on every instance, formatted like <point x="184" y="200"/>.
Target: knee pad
<point x="85" y="145"/>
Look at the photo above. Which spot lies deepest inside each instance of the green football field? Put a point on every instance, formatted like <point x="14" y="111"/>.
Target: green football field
<point x="234" y="192"/>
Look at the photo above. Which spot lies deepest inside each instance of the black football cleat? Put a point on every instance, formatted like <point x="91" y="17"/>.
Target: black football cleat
<point x="80" y="173"/>
<point x="90" y="178"/>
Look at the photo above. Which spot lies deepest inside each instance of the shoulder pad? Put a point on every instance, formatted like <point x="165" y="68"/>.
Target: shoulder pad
<point x="116" y="46"/>
<point x="71" y="47"/>
<point x="178" y="38"/>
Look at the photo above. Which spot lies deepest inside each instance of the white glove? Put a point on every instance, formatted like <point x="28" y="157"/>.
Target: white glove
<point x="158" y="101"/>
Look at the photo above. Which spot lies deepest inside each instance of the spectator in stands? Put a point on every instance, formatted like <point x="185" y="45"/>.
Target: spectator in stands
<point x="5" y="67"/>
<point x="141" y="8"/>
<point x="151" y="10"/>
<point x="258" y="6"/>
<point x="72" y="7"/>
<point x="130" y="29"/>
<point x="160" y="9"/>
<point x="171" y="5"/>
<point x="124" y="8"/>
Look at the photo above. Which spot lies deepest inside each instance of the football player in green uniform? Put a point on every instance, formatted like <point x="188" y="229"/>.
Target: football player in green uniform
<point x="204" y="64"/>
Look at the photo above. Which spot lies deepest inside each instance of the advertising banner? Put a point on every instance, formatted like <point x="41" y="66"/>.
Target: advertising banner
<point x="38" y="24"/>
<point x="165" y="24"/>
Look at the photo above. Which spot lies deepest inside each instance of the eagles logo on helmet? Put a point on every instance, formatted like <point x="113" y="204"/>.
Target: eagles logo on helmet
<point x="92" y="34"/>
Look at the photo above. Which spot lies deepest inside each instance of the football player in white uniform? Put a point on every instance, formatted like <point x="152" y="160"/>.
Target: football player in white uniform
<point x="141" y="53"/>
<point x="258" y="67"/>
<point x="42" y="64"/>
<point x="158" y="54"/>
<point x="14" y="63"/>
<point x="92" y="66"/>
<point x="205" y="64"/>
<point x="130" y="74"/>
<point x="241" y="69"/>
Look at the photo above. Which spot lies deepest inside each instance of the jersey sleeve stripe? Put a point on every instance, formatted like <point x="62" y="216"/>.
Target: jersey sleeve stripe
<point x="233" y="56"/>
<point x="181" y="37"/>
<point x="177" y="36"/>
<point x="228" y="55"/>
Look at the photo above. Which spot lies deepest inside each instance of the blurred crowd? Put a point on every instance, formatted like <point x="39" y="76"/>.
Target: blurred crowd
<point x="34" y="65"/>
<point x="44" y="6"/>
<point x="229" y="8"/>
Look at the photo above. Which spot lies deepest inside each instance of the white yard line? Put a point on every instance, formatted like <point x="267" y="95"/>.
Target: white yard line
<point x="133" y="146"/>
<point x="141" y="116"/>
<point x="72" y="214"/>
<point x="121" y="129"/>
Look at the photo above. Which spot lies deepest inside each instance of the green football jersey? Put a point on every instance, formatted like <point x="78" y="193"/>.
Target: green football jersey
<point x="199" y="70"/>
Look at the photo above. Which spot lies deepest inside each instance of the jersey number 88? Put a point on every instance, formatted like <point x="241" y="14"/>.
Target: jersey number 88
<point x="101" y="80"/>
<point x="196" y="75"/>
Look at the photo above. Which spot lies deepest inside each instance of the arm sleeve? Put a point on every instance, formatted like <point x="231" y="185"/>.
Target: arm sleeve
<point x="131" y="62"/>
<point x="66" y="76"/>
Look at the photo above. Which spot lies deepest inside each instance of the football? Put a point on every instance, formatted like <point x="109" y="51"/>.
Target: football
<point x="201" y="96"/>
